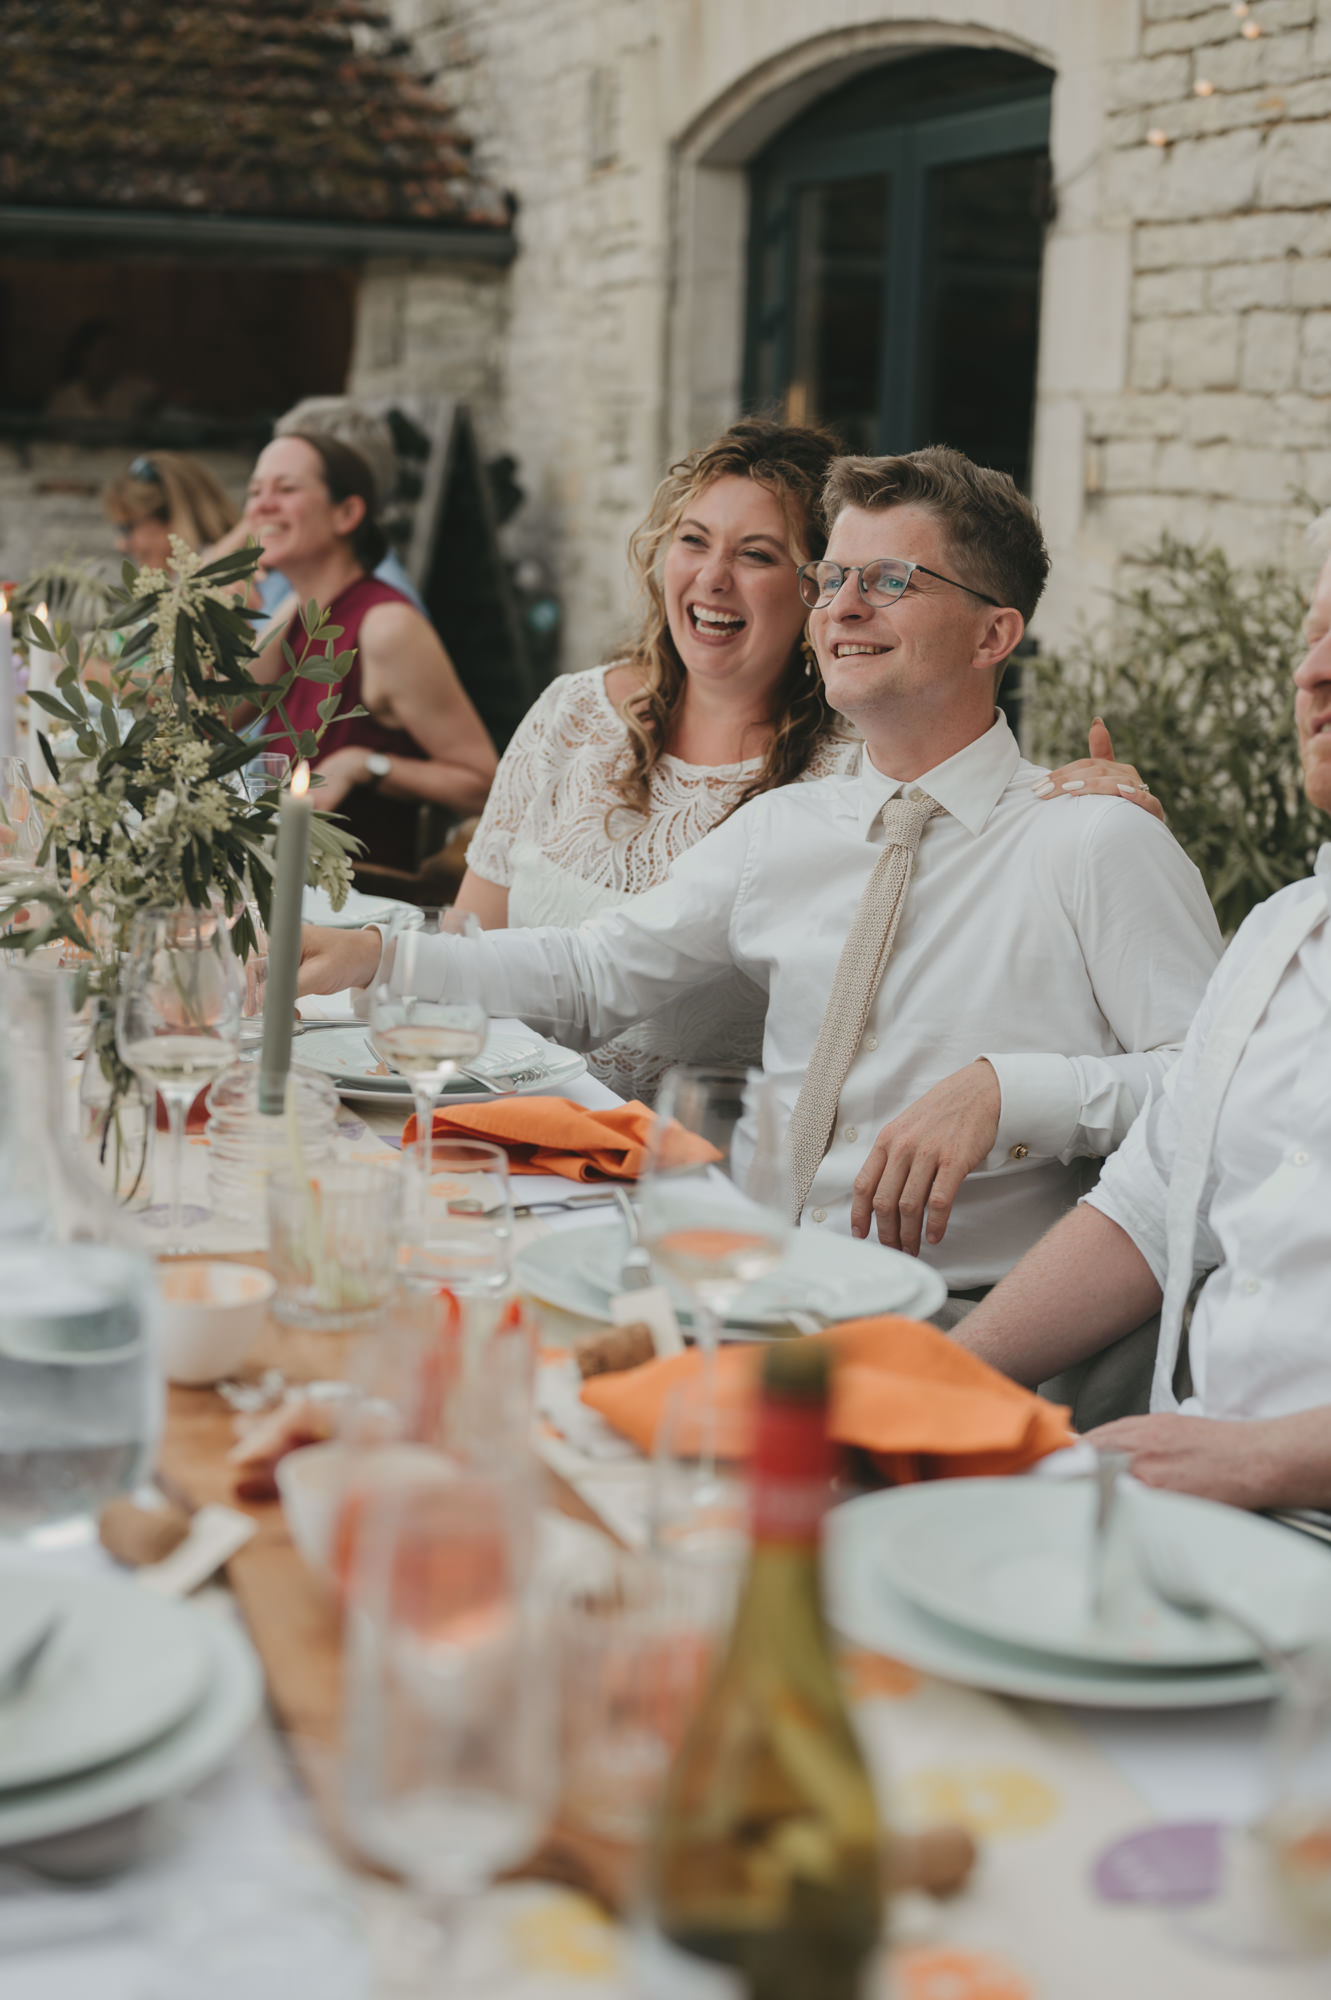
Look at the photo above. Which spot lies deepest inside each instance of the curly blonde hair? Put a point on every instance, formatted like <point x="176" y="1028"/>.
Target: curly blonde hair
<point x="792" y="461"/>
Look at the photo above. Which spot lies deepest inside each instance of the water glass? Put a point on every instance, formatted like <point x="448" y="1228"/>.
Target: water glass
<point x="450" y="1751"/>
<point x="333" y="1241"/>
<point x="699" y="1507"/>
<point x="714" y="1195"/>
<point x="465" y="1235"/>
<point x="634" y="1648"/>
<point x="21" y="828"/>
<point x="265" y="773"/>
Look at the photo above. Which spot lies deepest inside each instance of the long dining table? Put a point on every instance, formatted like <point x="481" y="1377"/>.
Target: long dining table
<point x="133" y="1913"/>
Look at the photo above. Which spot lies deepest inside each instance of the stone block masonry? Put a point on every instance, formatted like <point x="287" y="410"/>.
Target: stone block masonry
<point x="1226" y="410"/>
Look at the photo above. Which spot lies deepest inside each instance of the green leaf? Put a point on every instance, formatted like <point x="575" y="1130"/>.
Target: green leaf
<point x="48" y="756"/>
<point x="324" y="673"/>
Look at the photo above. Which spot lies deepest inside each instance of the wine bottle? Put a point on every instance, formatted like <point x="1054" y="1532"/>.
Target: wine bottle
<point x="767" y="1856"/>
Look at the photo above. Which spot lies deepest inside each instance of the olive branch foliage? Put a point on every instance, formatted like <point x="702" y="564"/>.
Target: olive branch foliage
<point x="1193" y="678"/>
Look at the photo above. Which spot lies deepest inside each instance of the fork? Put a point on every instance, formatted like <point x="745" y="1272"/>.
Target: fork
<point x="22" y="1669"/>
<point x="635" y="1273"/>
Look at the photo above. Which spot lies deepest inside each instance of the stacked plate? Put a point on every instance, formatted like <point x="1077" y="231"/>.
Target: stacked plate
<point x="358" y="910"/>
<point x="988" y="1582"/>
<point x="134" y="1697"/>
<point x="832" y="1277"/>
<point x="515" y="1059"/>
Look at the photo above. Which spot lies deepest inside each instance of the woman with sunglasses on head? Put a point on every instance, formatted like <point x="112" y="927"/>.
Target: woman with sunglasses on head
<point x="311" y="503"/>
<point x="164" y="493"/>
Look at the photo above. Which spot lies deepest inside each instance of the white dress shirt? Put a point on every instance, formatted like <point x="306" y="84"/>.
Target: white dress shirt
<point x="1258" y="1094"/>
<point x="1072" y="939"/>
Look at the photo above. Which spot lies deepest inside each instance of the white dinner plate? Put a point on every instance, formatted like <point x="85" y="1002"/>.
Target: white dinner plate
<point x="316" y="908"/>
<point x="836" y="1276"/>
<point x="1010" y="1559"/>
<point x="865" y="1608"/>
<point x="232" y="1696"/>
<point x="121" y="1669"/>
<point x="345" y="1055"/>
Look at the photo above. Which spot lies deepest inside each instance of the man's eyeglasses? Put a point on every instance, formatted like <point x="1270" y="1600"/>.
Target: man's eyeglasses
<point x="881" y="582"/>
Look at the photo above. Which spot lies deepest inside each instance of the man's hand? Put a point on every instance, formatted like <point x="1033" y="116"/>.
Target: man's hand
<point x="1215" y="1458"/>
<point x="331" y="960"/>
<point x="1099" y="773"/>
<point x="920" y="1160"/>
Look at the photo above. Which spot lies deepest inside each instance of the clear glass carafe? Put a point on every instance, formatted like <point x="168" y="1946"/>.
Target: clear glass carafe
<point x="80" y="1389"/>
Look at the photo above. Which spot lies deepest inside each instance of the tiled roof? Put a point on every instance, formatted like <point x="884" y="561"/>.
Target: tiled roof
<point x="293" y="108"/>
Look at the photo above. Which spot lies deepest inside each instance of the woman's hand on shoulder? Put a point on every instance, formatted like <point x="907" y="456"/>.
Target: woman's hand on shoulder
<point x="1100" y="774"/>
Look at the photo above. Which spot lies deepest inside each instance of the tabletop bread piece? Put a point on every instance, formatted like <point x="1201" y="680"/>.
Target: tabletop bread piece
<point x="614" y="1349"/>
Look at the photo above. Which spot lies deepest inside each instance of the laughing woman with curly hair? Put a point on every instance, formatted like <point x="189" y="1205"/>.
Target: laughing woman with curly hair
<point x="618" y="769"/>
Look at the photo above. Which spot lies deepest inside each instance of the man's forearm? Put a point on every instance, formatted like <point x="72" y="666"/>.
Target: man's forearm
<point x="1078" y="1289"/>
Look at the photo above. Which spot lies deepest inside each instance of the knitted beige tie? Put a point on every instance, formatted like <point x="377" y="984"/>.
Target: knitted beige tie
<point x="858" y="976"/>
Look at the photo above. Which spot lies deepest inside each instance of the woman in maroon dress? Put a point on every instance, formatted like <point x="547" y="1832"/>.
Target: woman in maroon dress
<point x="312" y="505"/>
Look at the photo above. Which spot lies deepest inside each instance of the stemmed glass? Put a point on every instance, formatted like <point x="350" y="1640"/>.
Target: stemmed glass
<point x="20" y="827"/>
<point x="449" y="1763"/>
<point x="424" y="1041"/>
<point x="713" y="1194"/>
<point x="178" y="1017"/>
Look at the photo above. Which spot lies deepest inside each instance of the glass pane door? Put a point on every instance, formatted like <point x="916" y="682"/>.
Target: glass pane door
<point x="981" y="304"/>
<point x="840" y="246"/>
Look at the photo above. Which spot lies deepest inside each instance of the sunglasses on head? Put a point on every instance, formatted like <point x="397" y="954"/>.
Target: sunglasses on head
<point x="145" y="469"/>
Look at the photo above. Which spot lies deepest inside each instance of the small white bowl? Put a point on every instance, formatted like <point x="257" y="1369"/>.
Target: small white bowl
<point x="212" y="1314"/>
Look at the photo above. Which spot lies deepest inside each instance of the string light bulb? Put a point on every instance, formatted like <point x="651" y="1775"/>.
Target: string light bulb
<point x="1203" y="87"/>
<point x="1250" y="30"/>
<point x="1155" y="137"/>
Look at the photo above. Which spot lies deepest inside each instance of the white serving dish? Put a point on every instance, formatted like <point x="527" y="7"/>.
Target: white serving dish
<point x="1010" y="1559"/>
<point x="231" y="1698"/>
<point x="212" y="1314"/>
<point x="122" y="1667"/>
<point x="835" y="1276"/>
<point x="865" y="1608"/>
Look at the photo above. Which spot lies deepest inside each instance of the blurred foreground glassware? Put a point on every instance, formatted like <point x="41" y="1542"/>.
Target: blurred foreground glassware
<point x="21" y="828"/>
<point x="178" y="1019"/>
<point x="1297" y="1828"/>
<point x="634" y="1647"/>
<point x="699" y="1513"/>
<point x="713" y="1195"/>
<point x="80" y="1389"/>
<point x="333" y="1233"/>
<point x="244" y="1147"/>
<point x="465" y="1236"/>
<point x="450" y="1757"/>
<point x="424" y="1041"/>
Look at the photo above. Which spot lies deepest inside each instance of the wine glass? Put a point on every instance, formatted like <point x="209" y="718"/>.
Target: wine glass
<point x="713" y="1194"/>
<point x="449" y="1753"/>
<point x="21" y="828"/>
<point x="178" y="1017"/>
<point x="424" y="1041"/>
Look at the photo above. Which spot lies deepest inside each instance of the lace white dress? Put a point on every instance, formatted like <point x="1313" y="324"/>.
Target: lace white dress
<point x="543" y="838"/>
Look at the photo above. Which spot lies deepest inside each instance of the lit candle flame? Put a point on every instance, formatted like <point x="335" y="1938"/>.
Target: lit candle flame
<point x="4" y="604"/>
<point x="42" y="612"/>
<point x="300" y="780"/>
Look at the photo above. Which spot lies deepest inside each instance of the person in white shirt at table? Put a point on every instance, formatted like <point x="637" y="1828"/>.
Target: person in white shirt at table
<point x="1226" y="1172"/>
<point x="1048" y="957"/>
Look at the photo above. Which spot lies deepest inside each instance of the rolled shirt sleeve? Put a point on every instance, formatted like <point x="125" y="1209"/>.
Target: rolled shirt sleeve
<point x="1133" y="880"/>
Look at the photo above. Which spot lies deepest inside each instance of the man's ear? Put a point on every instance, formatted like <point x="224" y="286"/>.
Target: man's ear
<point x="1003" y="631"/>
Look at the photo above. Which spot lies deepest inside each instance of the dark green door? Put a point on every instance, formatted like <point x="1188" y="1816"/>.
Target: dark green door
<point x="896" y="243"/>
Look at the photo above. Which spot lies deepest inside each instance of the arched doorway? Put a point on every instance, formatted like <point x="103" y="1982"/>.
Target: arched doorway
<point x="896" y="236"/>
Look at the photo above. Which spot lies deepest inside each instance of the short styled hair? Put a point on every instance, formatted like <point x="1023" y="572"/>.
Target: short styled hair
<point x="991" y="527"/>
<point x="343" y="418"/>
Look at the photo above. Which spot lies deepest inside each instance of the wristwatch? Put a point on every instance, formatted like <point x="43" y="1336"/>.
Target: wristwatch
<point x="377" y="768"/>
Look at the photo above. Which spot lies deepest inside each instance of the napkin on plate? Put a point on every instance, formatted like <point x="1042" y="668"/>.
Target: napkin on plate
<point x="552" y="1135"/>
<point x="922" y="1407"/>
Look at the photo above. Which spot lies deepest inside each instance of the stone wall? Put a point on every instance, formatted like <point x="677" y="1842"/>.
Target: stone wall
<point x="1185" y="363"/>
<point x="1220" y="162"/>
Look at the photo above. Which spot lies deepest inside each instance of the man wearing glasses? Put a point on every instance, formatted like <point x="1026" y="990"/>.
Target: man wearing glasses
<point x="970" y="992"/>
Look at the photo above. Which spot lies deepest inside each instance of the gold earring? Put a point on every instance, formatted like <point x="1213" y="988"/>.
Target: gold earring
<point x="810" y="657"/>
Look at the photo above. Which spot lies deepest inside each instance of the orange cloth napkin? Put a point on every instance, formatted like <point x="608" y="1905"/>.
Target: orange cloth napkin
<point x="921" y="1406"/>
<point x="552" y="1135"/>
